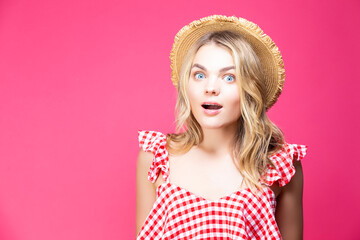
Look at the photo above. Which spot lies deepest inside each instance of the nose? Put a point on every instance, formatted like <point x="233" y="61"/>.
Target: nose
<point x="212" y="87"/>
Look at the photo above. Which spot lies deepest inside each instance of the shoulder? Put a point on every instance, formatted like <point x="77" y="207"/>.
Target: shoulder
<point x="286" y="163"/>
<point x="144" y="160"/>
<point x="289" y="207"/>
<point x="151" y="140"/>
<point x="153" y="154"/>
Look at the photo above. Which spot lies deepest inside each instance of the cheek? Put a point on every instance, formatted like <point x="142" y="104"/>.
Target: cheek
<point x="235" y="102"/>
<point x="192" y="95"/>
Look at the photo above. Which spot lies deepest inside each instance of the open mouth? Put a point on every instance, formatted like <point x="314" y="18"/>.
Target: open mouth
<point x="211" y="106"/>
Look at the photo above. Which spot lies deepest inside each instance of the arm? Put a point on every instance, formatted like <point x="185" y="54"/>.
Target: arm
<point x="145" y="192"/>
<point x="289" y="209"/>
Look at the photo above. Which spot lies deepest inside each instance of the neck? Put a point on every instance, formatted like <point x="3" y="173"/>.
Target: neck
<point x="218" y="141"/>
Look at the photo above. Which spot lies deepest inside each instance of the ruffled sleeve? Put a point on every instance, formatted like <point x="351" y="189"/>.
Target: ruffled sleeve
<point x="283" y="161"/>
<point x="155" y="142"/>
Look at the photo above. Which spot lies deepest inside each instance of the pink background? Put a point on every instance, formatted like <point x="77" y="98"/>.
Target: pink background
<point x="79" y="78"/>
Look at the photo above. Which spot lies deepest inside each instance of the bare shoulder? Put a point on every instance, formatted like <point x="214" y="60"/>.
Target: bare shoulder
<point x="144" y="159"/>
<point x="296" y="182"/>
<point x="172" y="146"/>
<point x="145" y="192"/>
<point x="144" y="162"/>
<point x="295" y="186"/>
<point x="289" y="210"/>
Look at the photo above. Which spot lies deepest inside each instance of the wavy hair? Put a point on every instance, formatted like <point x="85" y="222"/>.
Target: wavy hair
<point x="256" y="137"/>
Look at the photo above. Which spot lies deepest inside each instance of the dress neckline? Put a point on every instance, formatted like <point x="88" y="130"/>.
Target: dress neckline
<point x="226" y="197"/>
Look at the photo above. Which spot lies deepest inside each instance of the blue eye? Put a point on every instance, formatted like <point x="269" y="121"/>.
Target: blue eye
<point x="229" y="78"/>
<point x="199" y="75"/>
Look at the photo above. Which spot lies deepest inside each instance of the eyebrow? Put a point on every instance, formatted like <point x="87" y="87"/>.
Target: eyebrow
<point x="204" y="68"/>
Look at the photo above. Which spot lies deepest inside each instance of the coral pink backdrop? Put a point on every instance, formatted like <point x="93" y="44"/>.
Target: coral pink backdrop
<point x="79" y="78"/>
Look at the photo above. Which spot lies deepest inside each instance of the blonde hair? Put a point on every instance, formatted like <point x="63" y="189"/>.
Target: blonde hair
<point x="256" y="137"/>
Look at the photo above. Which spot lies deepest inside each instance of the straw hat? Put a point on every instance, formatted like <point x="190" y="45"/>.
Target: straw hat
<point x="268" y="53"/>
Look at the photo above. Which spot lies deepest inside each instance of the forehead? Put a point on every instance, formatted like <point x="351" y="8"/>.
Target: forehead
<point x="213" y="56"/>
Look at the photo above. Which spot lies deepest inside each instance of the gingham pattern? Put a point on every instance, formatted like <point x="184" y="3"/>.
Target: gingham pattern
<point x="283" y="160"/>
<point x="155" y="142"/>
<point x="179" y="214"/>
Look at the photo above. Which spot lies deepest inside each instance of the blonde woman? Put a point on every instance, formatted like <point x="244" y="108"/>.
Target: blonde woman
<point x="227" y="173"/>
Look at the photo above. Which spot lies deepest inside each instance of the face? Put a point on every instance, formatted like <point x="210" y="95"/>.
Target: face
<point x="212" y="89"/>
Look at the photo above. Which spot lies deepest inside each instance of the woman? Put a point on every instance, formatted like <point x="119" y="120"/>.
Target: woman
<point x="230" y="166"/>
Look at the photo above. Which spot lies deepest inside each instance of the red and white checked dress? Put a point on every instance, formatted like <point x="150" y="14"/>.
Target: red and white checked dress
<point x="180" y="214"/>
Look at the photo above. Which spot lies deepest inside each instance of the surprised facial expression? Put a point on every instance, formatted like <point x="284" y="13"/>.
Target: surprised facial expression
<point x="212" y="89"/>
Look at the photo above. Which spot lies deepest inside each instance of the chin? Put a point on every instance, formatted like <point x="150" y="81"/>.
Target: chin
<point x="217" y="122"/>
<point x="217" y="125"/>
<point x="213" y="127"/>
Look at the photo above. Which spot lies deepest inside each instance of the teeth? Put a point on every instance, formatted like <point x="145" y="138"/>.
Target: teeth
<point x="211" y="106"/>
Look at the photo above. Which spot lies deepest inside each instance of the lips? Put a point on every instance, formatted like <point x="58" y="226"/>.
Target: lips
<point x="211" y="105"/>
